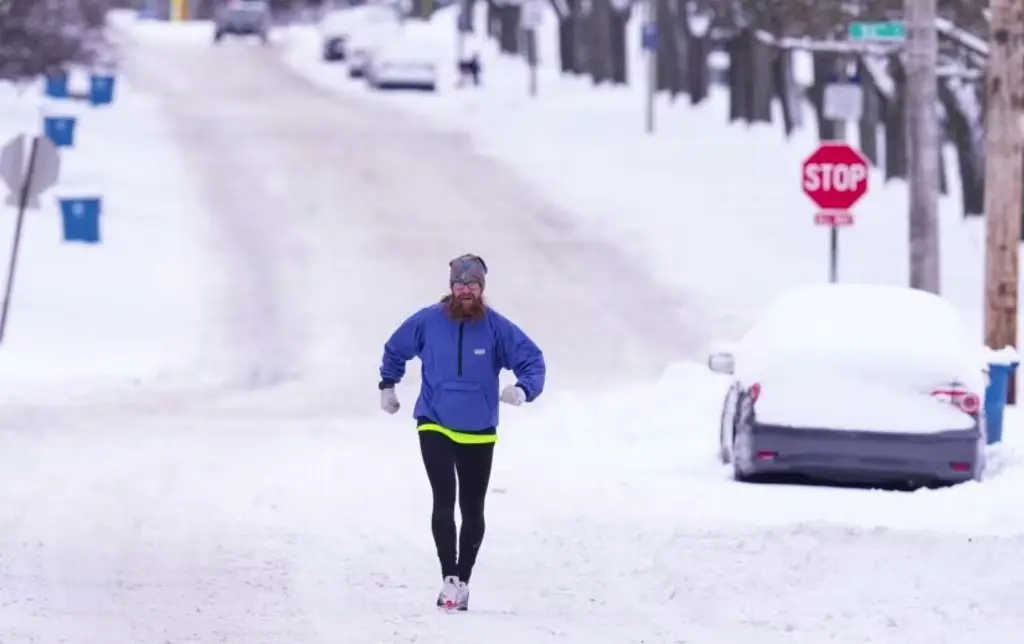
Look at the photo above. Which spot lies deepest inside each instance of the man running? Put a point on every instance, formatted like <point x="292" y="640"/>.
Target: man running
<point x="463" y="345"/>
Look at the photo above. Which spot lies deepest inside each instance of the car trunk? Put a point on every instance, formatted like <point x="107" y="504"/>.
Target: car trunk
<point x="831" y="400"/>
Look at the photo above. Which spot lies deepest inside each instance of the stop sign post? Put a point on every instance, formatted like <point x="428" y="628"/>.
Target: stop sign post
<point x="835" y="178"/>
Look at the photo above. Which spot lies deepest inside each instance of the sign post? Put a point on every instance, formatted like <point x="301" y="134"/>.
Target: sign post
<point x="25" y="179"/>
<point x="835" y="178"/>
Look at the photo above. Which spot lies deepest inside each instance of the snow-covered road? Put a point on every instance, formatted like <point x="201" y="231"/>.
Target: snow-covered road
<point x="336" y="218"/>
<point x="284" y="510"/>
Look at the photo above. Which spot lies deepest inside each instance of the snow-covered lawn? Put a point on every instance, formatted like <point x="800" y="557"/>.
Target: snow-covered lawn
<point x="129" y="307"/>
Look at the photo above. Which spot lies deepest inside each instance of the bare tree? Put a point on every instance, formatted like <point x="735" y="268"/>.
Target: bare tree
<point x="41" y="37"/>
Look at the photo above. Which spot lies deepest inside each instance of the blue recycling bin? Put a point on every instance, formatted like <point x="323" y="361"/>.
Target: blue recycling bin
<point x="81" y="219"/>
<point x="101" y="89"/>
<point x="57" y="85"/>
<point x="60" y="130"/>
<point x="995" y="398"/>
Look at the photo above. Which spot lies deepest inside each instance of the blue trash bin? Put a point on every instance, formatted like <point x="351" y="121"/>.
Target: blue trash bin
<point x="57" y="85"/>
<point x="101" y="89"/>
<point x="995" y="398"/>
<point x="60" y="130"/>
<point x="81" y="219"/>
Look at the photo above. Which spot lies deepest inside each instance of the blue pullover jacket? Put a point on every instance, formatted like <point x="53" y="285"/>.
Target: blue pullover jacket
<point x="461" y="362"/>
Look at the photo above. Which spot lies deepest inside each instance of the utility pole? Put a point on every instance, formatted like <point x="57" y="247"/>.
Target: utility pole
<point x="923" y="144"/>
<point x="1004" y="173"/>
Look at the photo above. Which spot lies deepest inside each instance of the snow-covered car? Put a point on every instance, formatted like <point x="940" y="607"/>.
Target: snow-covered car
<point x="364" y="42"/>
<point x="858" y="383"/>
<point x="242" y="18"/>
<point x="403" y="64"/>
<point x="337" y="26"/>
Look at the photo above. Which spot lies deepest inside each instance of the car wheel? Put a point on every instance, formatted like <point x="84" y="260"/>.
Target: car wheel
<point x="742" y="456"/>
<point x="725" y="447"/>
<point x="739" y="474"/>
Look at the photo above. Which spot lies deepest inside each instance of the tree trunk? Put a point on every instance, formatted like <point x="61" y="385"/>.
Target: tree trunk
<point x="508" y="29"/>
<point x="618" y="46"/>
<point x="1004" y="173"/>
<point x="969" y="154"/>
<point x="741" y="76"/>
<point x="895" y="123"/>
<point x="787" y="91"/>
<point x="869" y="121"/>
<point x="568" y="58"/>
<point x="666" y="57"/>
<point x="761" y="90"/>
<point x="600" y="37"/>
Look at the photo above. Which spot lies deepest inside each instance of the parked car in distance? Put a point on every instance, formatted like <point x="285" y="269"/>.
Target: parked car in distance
<point x="242" y="18"/>
<point x="364" y="43"/>
<point x="337" y="26"/>
<point x="857" y="383"/>
<point x="403" y="63"/>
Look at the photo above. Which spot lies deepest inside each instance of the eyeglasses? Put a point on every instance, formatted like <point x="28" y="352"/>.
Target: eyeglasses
<point x="467" y="286"/>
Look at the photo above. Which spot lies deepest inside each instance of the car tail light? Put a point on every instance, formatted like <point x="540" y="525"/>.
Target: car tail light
<point x="754" y="391"/>
<point x="765" y="455"/>
<point x="967" y="401"/>
<point x="960" y="466"/>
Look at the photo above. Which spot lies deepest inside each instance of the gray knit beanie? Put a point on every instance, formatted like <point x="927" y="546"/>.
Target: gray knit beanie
<point x="468" y="268"/>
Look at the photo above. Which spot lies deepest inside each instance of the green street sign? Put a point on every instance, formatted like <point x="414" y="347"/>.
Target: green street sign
<point x="878" y="31"/>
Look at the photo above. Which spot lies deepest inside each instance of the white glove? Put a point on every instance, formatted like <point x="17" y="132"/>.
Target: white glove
<point x="513" y="395"/>
<point x="389" y="400"/>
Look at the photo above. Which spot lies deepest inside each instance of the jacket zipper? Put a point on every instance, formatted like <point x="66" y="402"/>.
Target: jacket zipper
<point x="462" y="325"/>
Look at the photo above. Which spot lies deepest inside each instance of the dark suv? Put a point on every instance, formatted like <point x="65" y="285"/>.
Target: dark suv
<point x="242" y="18"/>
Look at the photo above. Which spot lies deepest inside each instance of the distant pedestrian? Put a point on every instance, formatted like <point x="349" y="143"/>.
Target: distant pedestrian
<point x="463" y="345"/>
<point x="469" y="69"/>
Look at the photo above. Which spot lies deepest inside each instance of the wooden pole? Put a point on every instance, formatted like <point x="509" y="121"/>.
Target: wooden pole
<point x="1004" y="173"/>
<point x="923" y="144"/>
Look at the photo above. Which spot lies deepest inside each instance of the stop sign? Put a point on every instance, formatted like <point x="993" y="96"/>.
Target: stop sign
<point x="835" y="176"/>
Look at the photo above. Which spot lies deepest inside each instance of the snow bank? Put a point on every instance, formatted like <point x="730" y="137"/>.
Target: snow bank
<point x="126" y="308"/>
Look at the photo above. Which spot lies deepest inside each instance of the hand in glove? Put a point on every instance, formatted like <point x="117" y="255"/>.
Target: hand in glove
<point x="389" y="400"/>
<point x="513" y="395"/>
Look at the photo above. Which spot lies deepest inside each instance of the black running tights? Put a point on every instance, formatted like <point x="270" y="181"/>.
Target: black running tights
<point x="443" y="458"/>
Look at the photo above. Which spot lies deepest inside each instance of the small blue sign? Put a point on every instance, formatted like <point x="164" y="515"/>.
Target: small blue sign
<point x="101" y="89"/>
<point x="60" y="130"/>
<point x="649" y="37"/>
<point x="81" y="218"/>
<point x="57" y="85"/>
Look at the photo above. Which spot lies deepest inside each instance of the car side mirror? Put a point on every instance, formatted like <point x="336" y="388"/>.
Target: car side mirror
<point x="722" y="358"/>
<point x="722" y="362"/>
